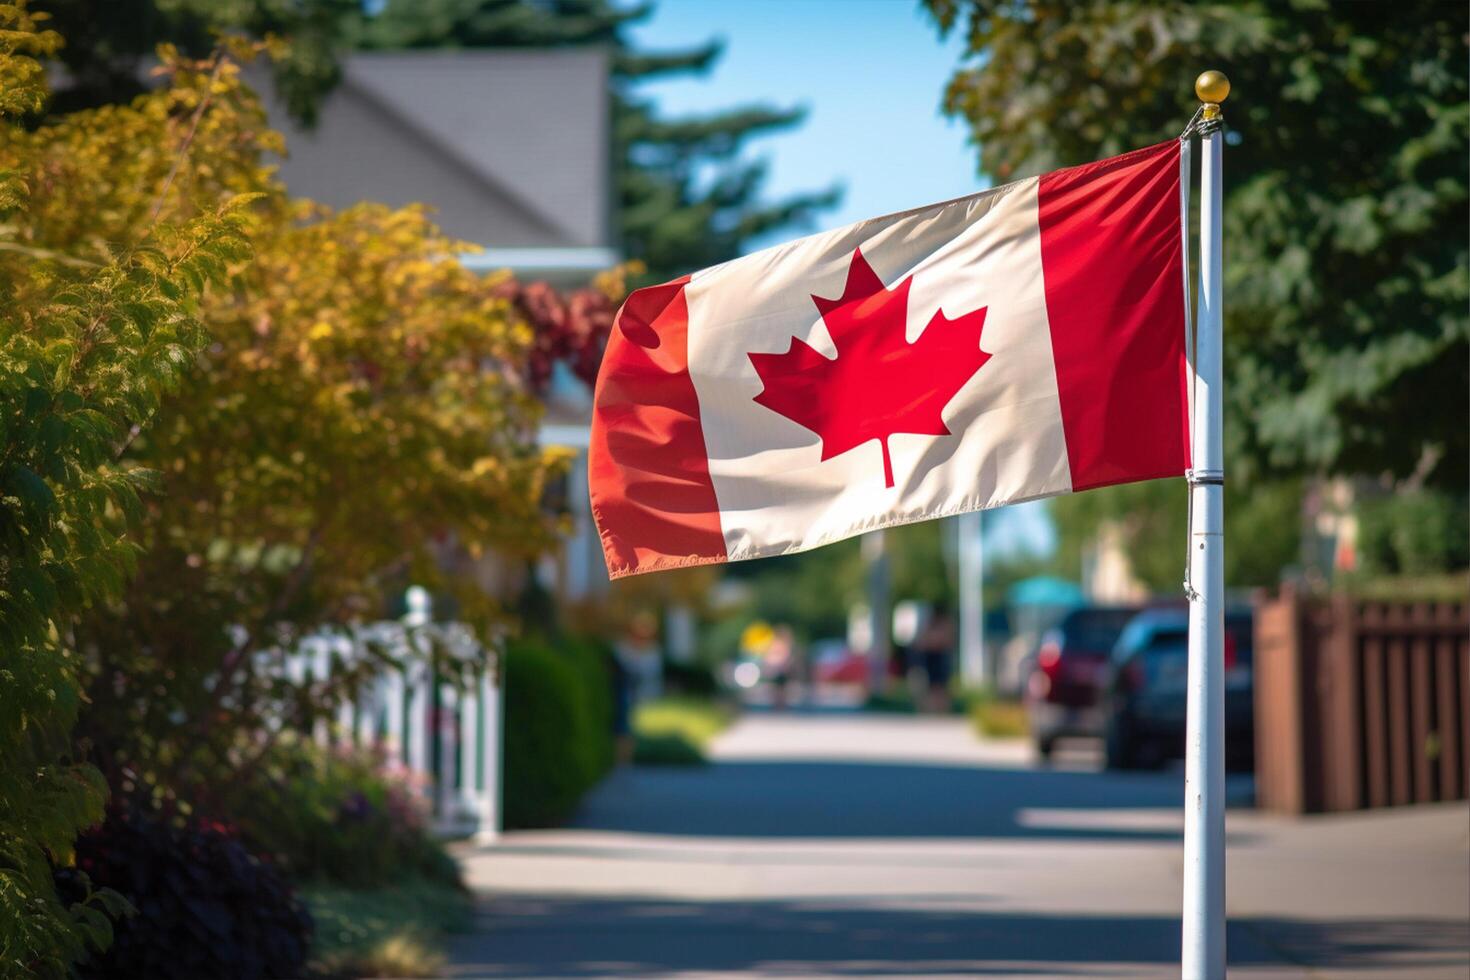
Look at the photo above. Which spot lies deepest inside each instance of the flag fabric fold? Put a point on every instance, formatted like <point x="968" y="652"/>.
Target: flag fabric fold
<point x="1018" y="343"/>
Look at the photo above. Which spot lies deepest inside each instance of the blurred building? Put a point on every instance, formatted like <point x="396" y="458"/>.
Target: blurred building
<point x="1107" y="571"/>
<point x="511" y="148"/>
<point x="512" y="151"/>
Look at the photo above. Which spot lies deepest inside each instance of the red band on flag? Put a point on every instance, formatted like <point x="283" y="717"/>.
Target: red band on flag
<point x="1110" y="253"/>
<point x="648" y="468"/>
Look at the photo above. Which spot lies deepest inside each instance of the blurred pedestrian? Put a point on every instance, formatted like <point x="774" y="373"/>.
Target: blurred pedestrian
<point x="933" y="648"/>
<point x="781" y="665"/>
<point x="638" y="677"/>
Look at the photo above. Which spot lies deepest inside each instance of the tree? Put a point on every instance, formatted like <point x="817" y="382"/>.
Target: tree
<point x="109" y="45"/>
<point x="229" y="417"/>
<point x="359" y="423"/>
<point x="1263" y="532"/>
<point x="359" y="419"/>
<point x="94" y="331"/>
<point x="1345" y="213"/>
<point x="686" y="198"/>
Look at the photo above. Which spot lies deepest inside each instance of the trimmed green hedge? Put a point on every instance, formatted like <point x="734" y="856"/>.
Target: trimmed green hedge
<point x="558" y="728"/>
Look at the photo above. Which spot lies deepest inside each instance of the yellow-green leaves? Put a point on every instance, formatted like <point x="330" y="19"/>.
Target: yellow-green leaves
<point x="102" y="318"/>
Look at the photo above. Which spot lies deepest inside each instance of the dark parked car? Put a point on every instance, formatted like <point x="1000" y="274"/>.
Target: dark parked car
<point x="1067" y="675"/>
<point x="1146" y="690"/>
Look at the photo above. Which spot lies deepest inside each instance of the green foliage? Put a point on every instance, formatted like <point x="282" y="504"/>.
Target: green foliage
<point x="206" y="906"/>
<point x="1347" y="290"/>
<point x="592" y="659"/>
<point x="696" y="679"/>
<point x="93" y="334"/>
<point x="109" y="44"/>
<point x="897" y="701"/>
<point x="558" y="731"/>
<point x="1418" y="533"/>
<point x="997" y="717"/>
<point x="341" y="818"/>
<point x="1262" y="529"/>
<point x="676" y="731"/>
<point x="811" y="591"/>
<point x="357" y="421"/>
<point x="200" y="449"/>
<point x="223" y="411"/>
<point x="1447" y="587"/>
<point x="920" y="561"/>
<point x="697" y="719"/>
<point x="666" y="749"/>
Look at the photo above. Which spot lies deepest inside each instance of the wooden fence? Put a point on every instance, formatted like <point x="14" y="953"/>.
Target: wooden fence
<point x="1361" y="704"/>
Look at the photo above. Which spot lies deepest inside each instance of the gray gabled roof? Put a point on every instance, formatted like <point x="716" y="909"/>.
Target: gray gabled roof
<point x="511" y="147"/>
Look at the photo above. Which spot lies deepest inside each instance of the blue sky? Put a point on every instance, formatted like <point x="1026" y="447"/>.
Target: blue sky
<point x="871" y="74"/>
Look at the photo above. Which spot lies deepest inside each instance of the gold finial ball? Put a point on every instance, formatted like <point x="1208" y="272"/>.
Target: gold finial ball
<point x="1212" y="86"/>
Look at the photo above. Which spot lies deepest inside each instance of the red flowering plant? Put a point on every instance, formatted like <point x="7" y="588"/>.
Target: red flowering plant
<point x="568" y="327"/>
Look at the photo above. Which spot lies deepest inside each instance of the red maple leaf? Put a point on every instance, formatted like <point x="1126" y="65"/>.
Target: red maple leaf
<point x="878" y="384"/>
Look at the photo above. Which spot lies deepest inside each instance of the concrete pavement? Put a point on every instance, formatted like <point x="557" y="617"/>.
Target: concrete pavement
<point x="861" y="845"/>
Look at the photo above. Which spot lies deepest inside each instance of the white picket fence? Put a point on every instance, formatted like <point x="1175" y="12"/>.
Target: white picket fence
<point x="446" y="733"/>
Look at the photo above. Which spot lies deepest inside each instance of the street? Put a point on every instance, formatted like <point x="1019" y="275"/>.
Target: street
<point x="841" y="845"/>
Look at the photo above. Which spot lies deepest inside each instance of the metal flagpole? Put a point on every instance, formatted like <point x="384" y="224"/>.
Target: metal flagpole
<point x="1204" y="760"/>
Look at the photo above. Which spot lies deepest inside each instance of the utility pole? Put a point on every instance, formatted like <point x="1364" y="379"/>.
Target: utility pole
<point x="974" y="666"/>
<point x="880" y="609"/>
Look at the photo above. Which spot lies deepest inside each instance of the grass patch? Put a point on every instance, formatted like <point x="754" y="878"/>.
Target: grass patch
<point x="894" y="702"/>
<point x="666" y="750"/>
<point x="676" y="731"/>
<point x="996" y="717"/>
<point x="385" y="932"/>
<point x="900" y="701"/>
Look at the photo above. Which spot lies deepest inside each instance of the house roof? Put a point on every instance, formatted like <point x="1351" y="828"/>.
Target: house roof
<point x="511" y="147"/>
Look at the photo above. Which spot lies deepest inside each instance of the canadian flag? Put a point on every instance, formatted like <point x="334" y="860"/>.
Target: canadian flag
<point x="1019" y="343"/>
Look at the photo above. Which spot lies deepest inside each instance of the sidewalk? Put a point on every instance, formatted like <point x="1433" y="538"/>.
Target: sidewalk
<point x="851" y="845"/>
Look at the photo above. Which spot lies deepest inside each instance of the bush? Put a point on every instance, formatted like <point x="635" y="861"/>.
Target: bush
<point x="205" y="906"/>
<point x="667" y="749"/>
<point x="101" y="318"/>
<point x="339" y="817"/>
<point x="995" y="716"/>
<point x="692" y="721"/>
<point x="593" y="660"/>
<point x="1417" y="533"/>
<point x="896" y="702"/>
<point x="694" y="680"/>
<point x="558" y="729"/>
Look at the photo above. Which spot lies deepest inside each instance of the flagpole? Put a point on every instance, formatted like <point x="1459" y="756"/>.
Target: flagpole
<point x="1204" y="760"/>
